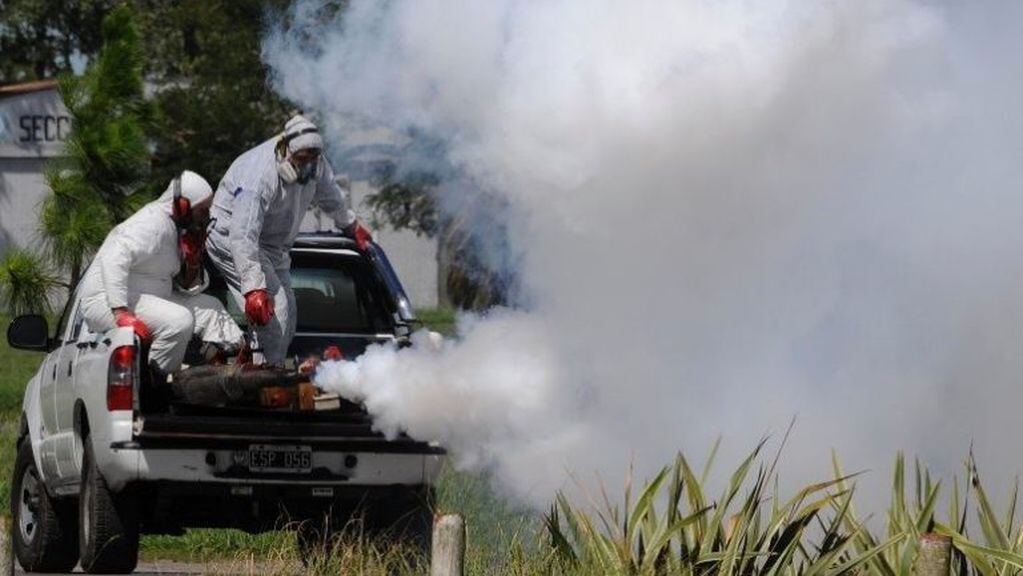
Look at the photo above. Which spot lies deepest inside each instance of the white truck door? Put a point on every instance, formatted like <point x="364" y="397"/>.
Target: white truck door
<point x="58" y="364"/>
<point x="68" y="449"/>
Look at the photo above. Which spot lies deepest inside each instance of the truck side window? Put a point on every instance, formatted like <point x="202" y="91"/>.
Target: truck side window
<point x="58" y="336"/>
<point x="76" y="324"/>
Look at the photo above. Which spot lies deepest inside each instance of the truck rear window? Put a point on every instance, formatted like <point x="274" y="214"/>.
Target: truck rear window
<point x="343" y="297"/>
<point x="334" y="293"/>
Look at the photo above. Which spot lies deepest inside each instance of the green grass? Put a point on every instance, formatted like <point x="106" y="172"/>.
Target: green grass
<point x="16" y="368"/>
<point x="207" y="545"/>
<point x="438" y="319"/>
<point x="493" y="521"/>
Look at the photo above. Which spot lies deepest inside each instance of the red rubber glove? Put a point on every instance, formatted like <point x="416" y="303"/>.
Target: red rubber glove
<point x="124" y="317"/>
<point x="192" y="246"/>
<point x="259" y="307"/>
<point x="360" y="233"/>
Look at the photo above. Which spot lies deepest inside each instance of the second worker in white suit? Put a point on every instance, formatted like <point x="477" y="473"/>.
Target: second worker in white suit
<point x="258" y="210"/>
<point x="137" y="278"/>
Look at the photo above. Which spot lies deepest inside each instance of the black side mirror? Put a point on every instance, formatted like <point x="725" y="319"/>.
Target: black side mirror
<point x="29" y="333"/>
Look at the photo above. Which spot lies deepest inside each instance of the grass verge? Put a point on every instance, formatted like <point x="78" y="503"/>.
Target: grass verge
<point x="16" y="368"/>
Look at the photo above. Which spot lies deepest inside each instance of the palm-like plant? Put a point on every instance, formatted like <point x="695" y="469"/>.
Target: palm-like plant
<point x="672" y="528"/>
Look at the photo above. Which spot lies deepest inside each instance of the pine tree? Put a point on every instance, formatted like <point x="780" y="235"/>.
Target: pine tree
<point x="101" y="180"/>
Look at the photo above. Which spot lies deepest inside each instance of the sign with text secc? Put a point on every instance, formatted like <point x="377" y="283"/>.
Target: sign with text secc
<point x="33" y="124"/>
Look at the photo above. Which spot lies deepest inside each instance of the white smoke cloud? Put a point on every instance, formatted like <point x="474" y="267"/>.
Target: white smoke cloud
<point x="725" y="214"/>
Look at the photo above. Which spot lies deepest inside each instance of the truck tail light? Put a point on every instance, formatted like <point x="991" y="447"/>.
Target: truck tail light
<point x="121" y="378"/>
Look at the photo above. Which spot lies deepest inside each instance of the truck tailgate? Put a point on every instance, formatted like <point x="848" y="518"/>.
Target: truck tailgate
<point x="211" y="428"/>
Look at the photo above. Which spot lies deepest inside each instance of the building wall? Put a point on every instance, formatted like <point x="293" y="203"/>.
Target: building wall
<point x="22" y="191"/>
<point x="33" y="126"/>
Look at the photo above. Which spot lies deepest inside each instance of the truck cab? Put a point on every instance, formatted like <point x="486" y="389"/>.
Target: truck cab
<point x="98" y="464"/>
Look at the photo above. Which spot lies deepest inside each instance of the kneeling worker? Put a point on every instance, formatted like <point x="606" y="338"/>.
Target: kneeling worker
<point x="148" y="275"/>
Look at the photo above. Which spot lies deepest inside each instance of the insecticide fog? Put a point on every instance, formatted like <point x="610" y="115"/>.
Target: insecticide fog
<point x="719" y="215"/>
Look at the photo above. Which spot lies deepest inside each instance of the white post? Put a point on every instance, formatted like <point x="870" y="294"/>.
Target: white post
<point x="448" y="558"/>
<point x="935" y="556"/>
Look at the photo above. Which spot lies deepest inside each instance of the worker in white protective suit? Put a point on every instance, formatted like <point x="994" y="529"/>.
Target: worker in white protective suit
<point x="258" y="210"/>
<point x="148" y="275"/>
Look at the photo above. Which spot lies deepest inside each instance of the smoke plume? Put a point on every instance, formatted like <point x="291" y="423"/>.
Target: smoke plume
<point x="723" y="214"/>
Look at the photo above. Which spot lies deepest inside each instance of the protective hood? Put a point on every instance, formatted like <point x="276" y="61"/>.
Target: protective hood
<point x="194" y="188"/>
<point x="301" y="134"/>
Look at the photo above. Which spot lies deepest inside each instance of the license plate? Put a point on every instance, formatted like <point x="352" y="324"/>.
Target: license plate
<point x="275" y="458"/>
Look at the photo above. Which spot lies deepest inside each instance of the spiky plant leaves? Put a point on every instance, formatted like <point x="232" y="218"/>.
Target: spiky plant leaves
<point x="977" y="559"/>
<point x="925" y="515"/>
<point x="735" y="540"/>
<point x="709" y="463"/>
<point x="694" y="534"/>
<point x="563" y="550"/>
<point x="1010" y="514"/>
<point x="26" y="283"/>
<point x="835" y="542"/>
<point x="72" y="229"/>
<point x="1004" y="556"/>
<point x="861" y="562"/>
<point x="644" y="507"/>
<point x="993" y="533"/>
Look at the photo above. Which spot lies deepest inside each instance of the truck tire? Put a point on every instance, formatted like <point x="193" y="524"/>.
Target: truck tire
<point x="108" y="523"/>
<point x="44" y="531"/>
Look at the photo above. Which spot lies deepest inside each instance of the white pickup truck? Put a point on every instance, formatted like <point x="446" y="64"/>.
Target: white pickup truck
<point x="98" y="464"/>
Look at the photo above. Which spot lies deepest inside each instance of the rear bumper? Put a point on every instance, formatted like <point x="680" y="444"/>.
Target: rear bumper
<point x="211" y="448"/>
<point x="217" y="465"/>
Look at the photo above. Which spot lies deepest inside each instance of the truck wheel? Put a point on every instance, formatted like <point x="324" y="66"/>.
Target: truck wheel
<point x="44" y="530"/>
<point x="109" y="527"/>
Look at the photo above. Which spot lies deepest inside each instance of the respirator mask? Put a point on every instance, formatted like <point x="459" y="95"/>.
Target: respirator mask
<point x="300" y="166"/>
<point x="305" y="171"/>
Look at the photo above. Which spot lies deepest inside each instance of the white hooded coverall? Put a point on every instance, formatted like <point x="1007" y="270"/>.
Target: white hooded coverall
<point x="257" y="217"/>
<point x="134" y="268"/>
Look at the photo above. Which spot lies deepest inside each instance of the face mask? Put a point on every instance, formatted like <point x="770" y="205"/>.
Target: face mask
<point x="306" y="172"/>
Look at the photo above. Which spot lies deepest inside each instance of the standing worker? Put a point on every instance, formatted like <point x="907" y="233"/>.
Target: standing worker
<point x="148" y="275"/>
<point x="258" y="209"/>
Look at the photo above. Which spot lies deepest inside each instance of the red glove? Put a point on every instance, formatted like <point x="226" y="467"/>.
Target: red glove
<point x="192" y="246"/>
<point x="360" y="233"/>
<point x="124" y="317"/>
<point x="259" y="307"/>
